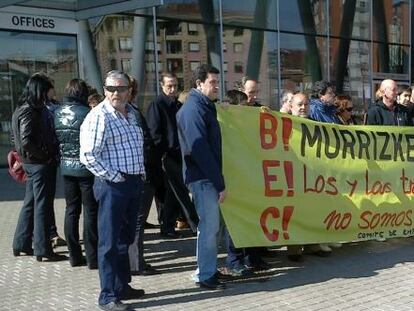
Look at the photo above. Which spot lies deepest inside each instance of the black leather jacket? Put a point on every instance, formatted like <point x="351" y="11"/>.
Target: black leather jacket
<point x="34" y="136"/>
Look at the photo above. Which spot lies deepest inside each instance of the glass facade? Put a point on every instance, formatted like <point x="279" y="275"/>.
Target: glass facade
<point x="23" y="54"/>
<point x="283" y="44"/>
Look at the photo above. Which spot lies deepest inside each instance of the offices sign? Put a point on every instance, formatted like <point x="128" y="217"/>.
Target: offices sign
<point x="17" y="21"/>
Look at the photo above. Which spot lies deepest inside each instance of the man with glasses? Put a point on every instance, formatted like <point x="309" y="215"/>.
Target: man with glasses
<point x="322" y="106"/>
<point x="111" y="147"/>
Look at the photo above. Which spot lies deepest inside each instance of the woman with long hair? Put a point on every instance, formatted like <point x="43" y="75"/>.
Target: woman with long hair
<point x="36" y="143"/>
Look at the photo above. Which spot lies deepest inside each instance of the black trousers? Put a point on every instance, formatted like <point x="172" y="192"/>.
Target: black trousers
<point x="177" y="196"/>
<point x="78" y="192"/>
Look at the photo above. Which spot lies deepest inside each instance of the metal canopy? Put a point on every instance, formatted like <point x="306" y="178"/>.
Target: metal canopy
<point x="80" y="9"/>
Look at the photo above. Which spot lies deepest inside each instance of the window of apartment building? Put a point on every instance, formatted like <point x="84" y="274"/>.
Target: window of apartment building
<point x="225" y="66"/>
<point x="149" y="66"/>
<point x="123" y="22"/>
<point x="194" y="46"/>
<point x="237" y="47"/>
<point x="175" y="65"/>
<point x="238" y="67"/>
<point x="192" y="29"/>
<point x="125" y="44"/>
<point x="238" y="32"/>
<point x="224" y="47"/>
<point x="194" y="65"/>
<point x="126" y="65"/>
<point x="172" y="28"/>
<point x="174" y="47"/>
<point x="149" y="47"/>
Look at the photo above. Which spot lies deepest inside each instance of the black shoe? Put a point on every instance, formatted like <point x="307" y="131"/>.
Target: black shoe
<point x="51" y="257"/>
<point x="211" y="283"/>
<point x="147" y="225"/>
<point x="131" y="293"/>
<point x="171" y="235"/>
<point x="17" y="253"/>
<point x="296" y="258"/>
<point x="115" y="306"/>
<point x="321" y="253"/>
<point x="260" y="265"/>
<point x="146" y="271"/>
<point x="93" y="265"/>
<point x="77" y="261"/>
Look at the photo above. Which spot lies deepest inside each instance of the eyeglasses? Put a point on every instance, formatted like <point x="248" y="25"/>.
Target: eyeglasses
<point x="113" y="89"/>
<point x="349" y="109"/>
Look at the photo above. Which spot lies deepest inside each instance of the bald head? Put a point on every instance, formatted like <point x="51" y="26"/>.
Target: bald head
<point x="251" y="89"/>
<point x="300" y="105"/>
<point x="388" y="90"/>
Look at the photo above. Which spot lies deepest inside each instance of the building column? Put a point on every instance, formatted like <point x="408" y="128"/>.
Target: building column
<point x="88" y="63"/>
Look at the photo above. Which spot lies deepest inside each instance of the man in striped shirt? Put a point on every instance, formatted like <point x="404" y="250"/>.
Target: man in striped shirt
<point x="111" y="147"/>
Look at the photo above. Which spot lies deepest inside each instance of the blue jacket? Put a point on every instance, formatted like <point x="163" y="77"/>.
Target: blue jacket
<point x="200" y="140"/>
<point x="322" y="113"/>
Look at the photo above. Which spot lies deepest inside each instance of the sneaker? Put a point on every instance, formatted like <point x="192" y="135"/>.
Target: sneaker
<point x="57" y="241"/>
<point x="335" y="245"/>
<point x="114" y="306"/>
<point x="239" y="272"/>
<point x="325" y="248"/>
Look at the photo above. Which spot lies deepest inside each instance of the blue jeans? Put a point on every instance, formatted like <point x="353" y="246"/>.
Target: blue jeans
<point x="136" y="249"/>
<point x="117" y="220"/>
<point x="35" y="216"/>
<point x="206" y="203"/>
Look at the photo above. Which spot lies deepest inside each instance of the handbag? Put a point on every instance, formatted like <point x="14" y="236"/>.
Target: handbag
<point x="16" y="170"/>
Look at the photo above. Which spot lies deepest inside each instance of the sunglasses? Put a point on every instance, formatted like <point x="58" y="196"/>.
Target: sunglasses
<point x="113" y="89"/>
<point x="349" y="109"/>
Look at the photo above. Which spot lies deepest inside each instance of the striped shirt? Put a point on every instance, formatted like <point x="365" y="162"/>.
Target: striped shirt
<point x="111" y="144"/>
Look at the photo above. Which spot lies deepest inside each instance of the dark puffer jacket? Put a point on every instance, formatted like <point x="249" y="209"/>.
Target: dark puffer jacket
<point x="68" y="119"/>
<point x="33" y="135"/>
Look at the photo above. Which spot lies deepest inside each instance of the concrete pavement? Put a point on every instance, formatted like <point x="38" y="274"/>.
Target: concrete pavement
<point x="358" y="276"/>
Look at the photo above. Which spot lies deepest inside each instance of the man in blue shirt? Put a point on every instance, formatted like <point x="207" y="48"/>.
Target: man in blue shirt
<point x="111" y="147"/>
<point x="200" y="140"/>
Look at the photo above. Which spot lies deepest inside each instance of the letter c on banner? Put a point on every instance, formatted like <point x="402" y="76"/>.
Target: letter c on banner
<point x="274" y="212"/>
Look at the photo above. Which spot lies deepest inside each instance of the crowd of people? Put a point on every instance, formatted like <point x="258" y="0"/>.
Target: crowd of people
<point x="115" y="161"/>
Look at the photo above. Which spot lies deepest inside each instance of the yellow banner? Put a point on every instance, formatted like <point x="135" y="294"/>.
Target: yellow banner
<point x="294" y="181"/>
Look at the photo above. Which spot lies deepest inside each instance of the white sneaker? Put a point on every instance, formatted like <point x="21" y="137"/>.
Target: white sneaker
<point x="325" y="248"/>
<point x="335" y="245"/>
